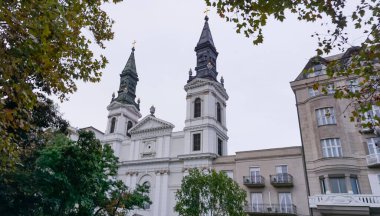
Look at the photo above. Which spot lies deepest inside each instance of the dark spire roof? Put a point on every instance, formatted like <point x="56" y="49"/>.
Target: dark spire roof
<point x="131" y="65"/>
<point x="206" y="56"/>
<point x="128" y="83"/>
<point x="206" y="36"/>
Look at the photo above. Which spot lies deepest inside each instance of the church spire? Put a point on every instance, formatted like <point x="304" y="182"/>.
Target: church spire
<point x="206" y="55"/>
<point x="128" y="82"/>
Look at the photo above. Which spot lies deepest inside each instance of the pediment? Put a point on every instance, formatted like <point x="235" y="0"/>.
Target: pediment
<point x="151" y="123"/>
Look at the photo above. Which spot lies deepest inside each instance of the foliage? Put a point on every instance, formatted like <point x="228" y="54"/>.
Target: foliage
<point x="363" y="61"/>
<point x="44" y="49"/>
<point x="69" y="178"/>
<point x="209" y="194"/>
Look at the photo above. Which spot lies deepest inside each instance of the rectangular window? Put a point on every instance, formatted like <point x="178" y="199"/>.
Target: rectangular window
<point x="330" y="88"/>
<point x="322" y="185"/>
<point x="355" y="185"/>
<point x="369" y="117"/>
<point x="197" y="142"/>
<point x="286" y="205"/>
<point x="282" y="173"/>
<point x="353" y="85"/>
<point x="318" y="70"/>
<point x="338" y="185"/>
<point x="313" y="92"/>
<point x="325" y="116"/>
<point x="255" y="175"/>
<point x="229" y="173"/>
<point x="372" y="147"/>
<point x="331" y="148"/>
<point x="257" y="202"/>
<point x="220" y="147"/>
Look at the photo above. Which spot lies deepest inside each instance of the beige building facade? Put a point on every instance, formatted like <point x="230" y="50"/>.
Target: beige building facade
<point x="341" y="158"/>
<point x="273" y="179"/>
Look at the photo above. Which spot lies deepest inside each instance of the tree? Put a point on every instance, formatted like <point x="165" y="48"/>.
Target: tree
<point x="70" y="178"/>
<point x="44" y="49"/>
<point x="363" y="61"/>
<point x="209" y="194"/>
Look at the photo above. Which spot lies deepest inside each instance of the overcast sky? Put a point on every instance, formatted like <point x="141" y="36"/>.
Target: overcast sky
<point x="261" y="111"/>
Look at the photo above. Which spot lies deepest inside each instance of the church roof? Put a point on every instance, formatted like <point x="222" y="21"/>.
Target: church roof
<point x="131" y="64"/>
<point x="206" y="36"/>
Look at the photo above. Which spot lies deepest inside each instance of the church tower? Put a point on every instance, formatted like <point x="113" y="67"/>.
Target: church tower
<point x="123" y="111"/>
<point x="205" y="124"/>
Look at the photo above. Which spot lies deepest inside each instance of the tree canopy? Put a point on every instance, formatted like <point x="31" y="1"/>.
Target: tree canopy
<point x="210" y="194"/>
<point x="44" y="49"/>
<point x="338" y="17"/>
<point x="69" y="178"/>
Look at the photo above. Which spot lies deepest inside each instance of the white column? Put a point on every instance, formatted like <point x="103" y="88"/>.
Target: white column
<point x="128" y="180"/>
<point x="164" y="197"/>
<point x="133" y="181"/>
<point x="156" y="201"/>
<point x="167" y="146"/>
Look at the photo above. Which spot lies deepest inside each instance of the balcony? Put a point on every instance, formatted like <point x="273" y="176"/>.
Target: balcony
<point x="271" y="209"/>
<point x="254" y="181"/>
<point x="346" y="204"/>
<point x="373" y="160"/>
<point x="281" y="180"/>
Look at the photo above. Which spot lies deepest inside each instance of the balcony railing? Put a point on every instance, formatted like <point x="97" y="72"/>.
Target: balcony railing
<point x="345" y="200"/>
<point x="254" y="181"/>
<point x="373" y="160"/>
<point x="281" y="180"/>
<point x="269" y="209"/>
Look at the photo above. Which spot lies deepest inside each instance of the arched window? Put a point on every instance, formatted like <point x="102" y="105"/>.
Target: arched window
<point x="197" y="108"/>
<point x="218" y="112"/>
<point x="113" y="125"/>
<point x="129" y="126"/>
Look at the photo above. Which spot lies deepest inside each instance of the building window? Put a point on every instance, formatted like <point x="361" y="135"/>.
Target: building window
<point x="331" y="148"/>
<point x="257" y="202"/>
<point x="318" y="70"/>
<point x="355" y="185"/>
<point x="218" y="112"/>
<point x="229" y="173"/>
<point x="220" y="147"/>
<point x="286" y="205"/>
<point x="197" y="108"/>
<point x="197" y="142"/>
<point x="338" y="185"/>
<point x="313" y="92"/>
<point x="325" y="116"/>
<point x="255" y="175"/>
<point x="113" y="125"/>
<point x="330" y="88"/>
<point x="322" y="184"/>
<point x="353" y="85"/>
<point x="372" y="146"/>
<point x="129" y="126"/>
<point x="282" y="173"/>
<point x="369" y="116"/>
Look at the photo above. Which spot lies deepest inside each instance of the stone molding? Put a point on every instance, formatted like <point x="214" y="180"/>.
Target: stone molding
<point x="199" y="82"/>
<point x="202" y="126"/>
<point x="197" y="156"/>
<point x="129" y="107"/>
<point x="162" y="172"/>
<point x="132" y="173"/>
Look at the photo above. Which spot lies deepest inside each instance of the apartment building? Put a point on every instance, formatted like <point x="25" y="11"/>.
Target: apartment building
<point x="341" y="157"/>
<point x="273" y="178"/>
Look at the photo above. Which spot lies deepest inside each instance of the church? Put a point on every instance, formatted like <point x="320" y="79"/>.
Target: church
<point x="149" y="151"/>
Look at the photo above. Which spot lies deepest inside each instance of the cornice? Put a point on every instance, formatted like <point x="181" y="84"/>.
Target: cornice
<point x="202" y="126"/>
<point x="197" y="156"/>
<point x="199" y="82"/>
<point x="115" y="104"/>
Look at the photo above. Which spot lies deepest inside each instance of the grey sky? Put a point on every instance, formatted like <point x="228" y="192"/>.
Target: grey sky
<point x="261" y="111"/>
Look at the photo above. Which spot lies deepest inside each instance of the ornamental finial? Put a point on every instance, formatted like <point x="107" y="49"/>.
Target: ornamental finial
<point x="138" y="101"/>
<point x="190" y="72"/>
<point x="133" y="45"/>
<point x="152" y="110"/>
<point x="222" y="80"/>
<point x="113" y="95"/>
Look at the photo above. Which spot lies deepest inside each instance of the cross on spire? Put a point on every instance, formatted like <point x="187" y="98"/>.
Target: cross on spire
<point x="206" y="11"/>
<point x="133" y="45"/>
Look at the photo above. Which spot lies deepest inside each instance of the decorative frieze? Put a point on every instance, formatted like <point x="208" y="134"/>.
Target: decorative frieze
<point x="131" y="173"/>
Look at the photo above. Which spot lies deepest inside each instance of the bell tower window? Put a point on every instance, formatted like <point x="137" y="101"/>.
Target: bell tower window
<point x="129" y="126"/>
<point x="197" y="108"/>
<point x="220" y="147"/>
<point x="197" y="142"/>
<point x="218" y="112"/>
<point x="113" y="125"/>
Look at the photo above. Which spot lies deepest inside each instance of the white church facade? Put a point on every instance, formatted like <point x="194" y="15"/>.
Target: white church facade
<point x="149" y="151"/>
